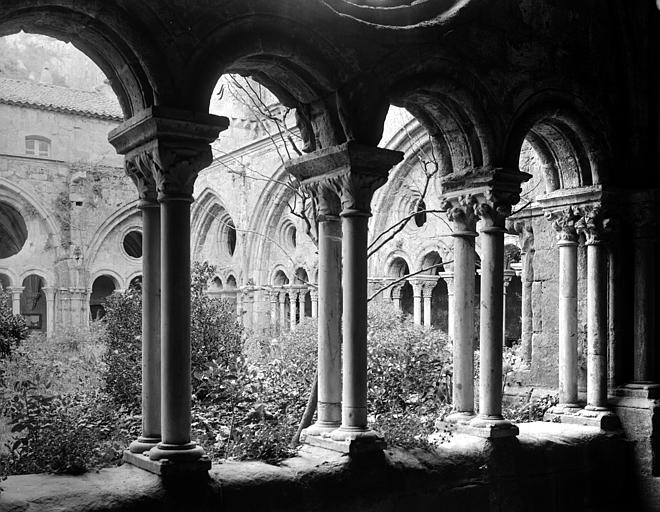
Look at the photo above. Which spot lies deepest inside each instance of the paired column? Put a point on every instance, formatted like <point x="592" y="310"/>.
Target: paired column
<point x="172" y="146"/>
<point x="354" y="172"/>
<point x="314" y="296"/>
<point x="418" y="291"/>
<point x="282" y="301"/>
<point x="526" y="235"/>
<point x="461" y="213"/>
<point x="448" y="277"/>
<point x="396" y="295"/>
<point x="427" y="292"/>
<point x="293" y="307"/>
<point x="274" y="308"/>
<point x="567" y="241"/>
<point x="508" y="276"/>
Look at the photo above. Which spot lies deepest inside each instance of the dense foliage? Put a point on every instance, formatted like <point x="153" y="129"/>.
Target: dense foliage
<point x="13" y="329"/>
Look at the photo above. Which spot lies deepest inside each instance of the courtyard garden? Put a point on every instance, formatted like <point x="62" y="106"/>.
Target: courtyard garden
<point x="71" y="402"/>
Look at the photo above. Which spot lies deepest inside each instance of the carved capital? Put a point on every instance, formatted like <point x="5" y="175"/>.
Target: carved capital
<point x="595" y="225"/>
<point x="325" y="199"/>
<point x="564" y="223"/>
<point x="525" y="231"/>
<point x="494" y="207"/>
<point x="461" y="213"/>
<point x="355" y="190"/>
<point x="175" y="169"/>
<point x="139" y="169"/>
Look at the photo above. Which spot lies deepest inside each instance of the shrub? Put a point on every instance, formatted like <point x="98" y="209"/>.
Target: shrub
<point x="13" y="329"/>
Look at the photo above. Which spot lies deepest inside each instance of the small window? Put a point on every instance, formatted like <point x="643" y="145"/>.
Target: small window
<point x="37" y="146"/>
<point x="133" y="244"/>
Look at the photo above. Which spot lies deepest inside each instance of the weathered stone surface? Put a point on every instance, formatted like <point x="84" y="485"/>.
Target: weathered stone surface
<point x="468" y="474"/>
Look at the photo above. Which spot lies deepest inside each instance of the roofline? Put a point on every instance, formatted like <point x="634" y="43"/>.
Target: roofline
<point x="51" y="108"/>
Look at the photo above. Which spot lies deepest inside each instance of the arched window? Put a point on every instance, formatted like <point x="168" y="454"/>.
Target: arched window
<point x="36" y="145"/>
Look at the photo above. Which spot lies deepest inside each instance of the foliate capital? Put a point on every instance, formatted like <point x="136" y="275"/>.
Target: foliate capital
<point x="525" y="231"/>
<point x="325" y="199"/>
<point x="355" y="190"/>
<point x="461" y="212"/>
<point x="138" y="167"/>
<point x="494" y="207"/>
<point x="595" y="224"/>
<point x="564" y="223"/>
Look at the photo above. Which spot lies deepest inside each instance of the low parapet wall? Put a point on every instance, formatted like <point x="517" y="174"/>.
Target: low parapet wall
<point x="549" y="467"/>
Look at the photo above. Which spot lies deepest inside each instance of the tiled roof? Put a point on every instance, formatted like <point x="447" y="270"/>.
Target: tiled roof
<point x="59" y="99"/>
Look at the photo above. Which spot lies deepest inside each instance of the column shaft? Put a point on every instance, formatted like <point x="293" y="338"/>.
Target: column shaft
<point x="463" y="323"/>
<point x="175" y="321"/>
<point x="314" y="295"/>
<point x="644" y="309"/>
<point x="417" y="304"/>
<point x="568" y="323"/>
<point x="596" y="327"/>
<point x="526" y="312"/>
<point x="329" y="324"/>
<point x="283" y="322"/>
<point x="293" y="302"/>
<point x="427" y="307"/>
<point x="354" y="283"/>
<point x="50" y="311"/>
<point x="490" y="333"/>
<point x="151" y="355"/>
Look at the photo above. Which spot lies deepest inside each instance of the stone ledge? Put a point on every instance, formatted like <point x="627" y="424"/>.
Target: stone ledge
<point x="464" y="475"/>
<point x="165" y="468"/>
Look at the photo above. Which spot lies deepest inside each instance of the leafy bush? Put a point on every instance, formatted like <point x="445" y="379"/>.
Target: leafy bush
<point x="528" y="409"/>
<point x="13" y="329"/>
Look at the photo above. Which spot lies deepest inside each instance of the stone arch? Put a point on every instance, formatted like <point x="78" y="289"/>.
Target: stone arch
<point x="102" y="286"/>
<point x="133" y="277"/>
<point x="279" y="277"/>
<point x="26" y="204"/>
<point x="208" y="213"/>
<point x="301" y="276"/>
<point x="113" y="222"/>
<point x="33" y="300"/>
<point x="119" y="282"/>
<point x="397" y="265"/>
<point x="452" y="106"/>
<point x="570" y="142"/>
<point x="230" y="282"/>
<point x="113" y="38"/>
<point x="7" y="277"/>
<point x="428" y="258"/>
<point x="45" y="275"/>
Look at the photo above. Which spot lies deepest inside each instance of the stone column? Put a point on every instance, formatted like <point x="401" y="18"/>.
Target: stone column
<point x="293" y="306"/>
<point x="49" y="292"/>
<point x="614" y="305"/>
<point x="354" y="172"/>
<point x="461" y="213"/>
<point x="492" y="214"/>
<point x="16" y="292"/>
<point x="314" y="295"/>
<point x="417" y="287"/>
<point x="173" y="146"/>
<point x="140" y="173"/>
<point x="427" y="293"/>
<point x="329" y="312"/>
<point x="594" y="225"/>
<point x="567" y="241"/>
<point x="644" y="301"/>
<point x="508" y="276"/>
<point x="274" y="297"/>
<point x="449" y="280"/>
<point x="526" y="234"/>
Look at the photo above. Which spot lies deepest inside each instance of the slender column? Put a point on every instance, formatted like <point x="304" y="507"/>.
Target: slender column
<point x="174" y="146"/>
<point x="283" y="323"/>
<point x="508" y="276"/>
<point x="293" y="302"/>
<point x="593" y="226"/>
<point x="526" y="234"/>
<point x="49" y="292"/>
<point x="314" y="295"/>
<point x="16" y="292"/>
<point x="417" y="301"/>
<point x="462" y="216"/>
<point x="614" y="307"/>
<point x="329" y="313"/>
<point x="274" y="308"/>
<point x="427" y="292"/>
<point x="490" y="332"/>
<point x="644" y="305"/>
<point x="151" y="298"/>
<point x="564" y="224"/>
<point x="449" y="281"/>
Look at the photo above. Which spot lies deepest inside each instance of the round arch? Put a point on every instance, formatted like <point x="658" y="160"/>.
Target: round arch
<point x="114" y="221"/>
<point x="111" y="37"/>
<point x="279" y="276"/>
<point x="119" y="282"/>
<point x="397" y="265"/>
<point x="11" y="277"/>
<point x="45" y="275"/>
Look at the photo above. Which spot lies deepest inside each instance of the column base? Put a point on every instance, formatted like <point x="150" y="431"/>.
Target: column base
<point x="176" y="453"/>
<point x="351" y="442"/>
<point x="590" y="416"/>
<point x="143" y="444"/>
<point x="639" y="390"/>
<point x="460" y="417"/>
<point x="167" y="468"/>
<point x="318" y="429"/>
<point x="489" y="427"/>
